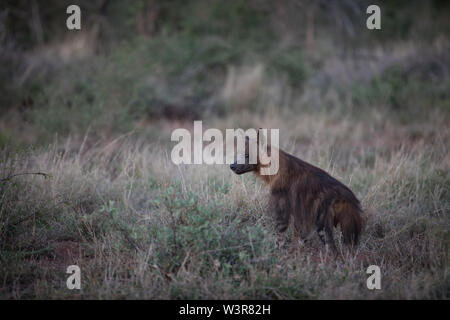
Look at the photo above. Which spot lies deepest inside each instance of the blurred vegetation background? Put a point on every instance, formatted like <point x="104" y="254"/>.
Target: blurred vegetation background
<point x="135" y="63"/>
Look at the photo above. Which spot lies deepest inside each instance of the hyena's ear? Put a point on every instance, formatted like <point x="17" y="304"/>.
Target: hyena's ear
<point x="261" y="137"/>
<point x="263" y="147"/>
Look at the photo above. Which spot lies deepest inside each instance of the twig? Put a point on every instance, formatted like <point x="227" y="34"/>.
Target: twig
<point x="45" y="175"/>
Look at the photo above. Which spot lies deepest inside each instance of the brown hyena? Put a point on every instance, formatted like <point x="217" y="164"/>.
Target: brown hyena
<point x="310" y="196"/>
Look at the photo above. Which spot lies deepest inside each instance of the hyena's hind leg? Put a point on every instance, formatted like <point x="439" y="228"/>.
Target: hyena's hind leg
<point x="324" y="225"/>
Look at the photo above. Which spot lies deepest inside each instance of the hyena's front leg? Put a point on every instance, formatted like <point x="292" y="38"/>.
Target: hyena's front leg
<point x="282" y="212"/>
<point x="301" y="227"/>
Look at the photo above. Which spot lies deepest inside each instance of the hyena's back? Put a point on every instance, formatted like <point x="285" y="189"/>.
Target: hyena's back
<point x="315" y="199"/>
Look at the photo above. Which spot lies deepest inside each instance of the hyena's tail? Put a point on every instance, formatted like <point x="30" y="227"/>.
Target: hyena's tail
<point x="349" y="217"/>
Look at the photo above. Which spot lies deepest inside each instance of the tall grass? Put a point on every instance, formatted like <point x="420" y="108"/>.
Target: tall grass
<point x="140" y="227"/>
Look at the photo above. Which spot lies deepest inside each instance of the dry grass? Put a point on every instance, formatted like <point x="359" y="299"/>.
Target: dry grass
<point x="140" y="227"/>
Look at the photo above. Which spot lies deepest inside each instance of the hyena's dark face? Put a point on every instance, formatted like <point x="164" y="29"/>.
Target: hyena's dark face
<point x="244" y="165"/>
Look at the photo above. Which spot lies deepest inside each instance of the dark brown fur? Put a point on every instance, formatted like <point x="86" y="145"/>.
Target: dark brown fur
<point x="312" y="198"/>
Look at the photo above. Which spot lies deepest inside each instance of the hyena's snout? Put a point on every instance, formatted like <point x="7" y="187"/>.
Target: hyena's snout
<point x="238" y="168"/>
<point x="242" y="168"/>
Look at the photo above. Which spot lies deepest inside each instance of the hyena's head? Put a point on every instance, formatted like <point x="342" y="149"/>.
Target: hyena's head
<point x="243" y="163"/>
<point x="254" y="155"/>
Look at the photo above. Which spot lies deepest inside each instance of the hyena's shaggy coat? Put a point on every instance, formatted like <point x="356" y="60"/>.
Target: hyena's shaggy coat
<point x="311" y="197"/>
